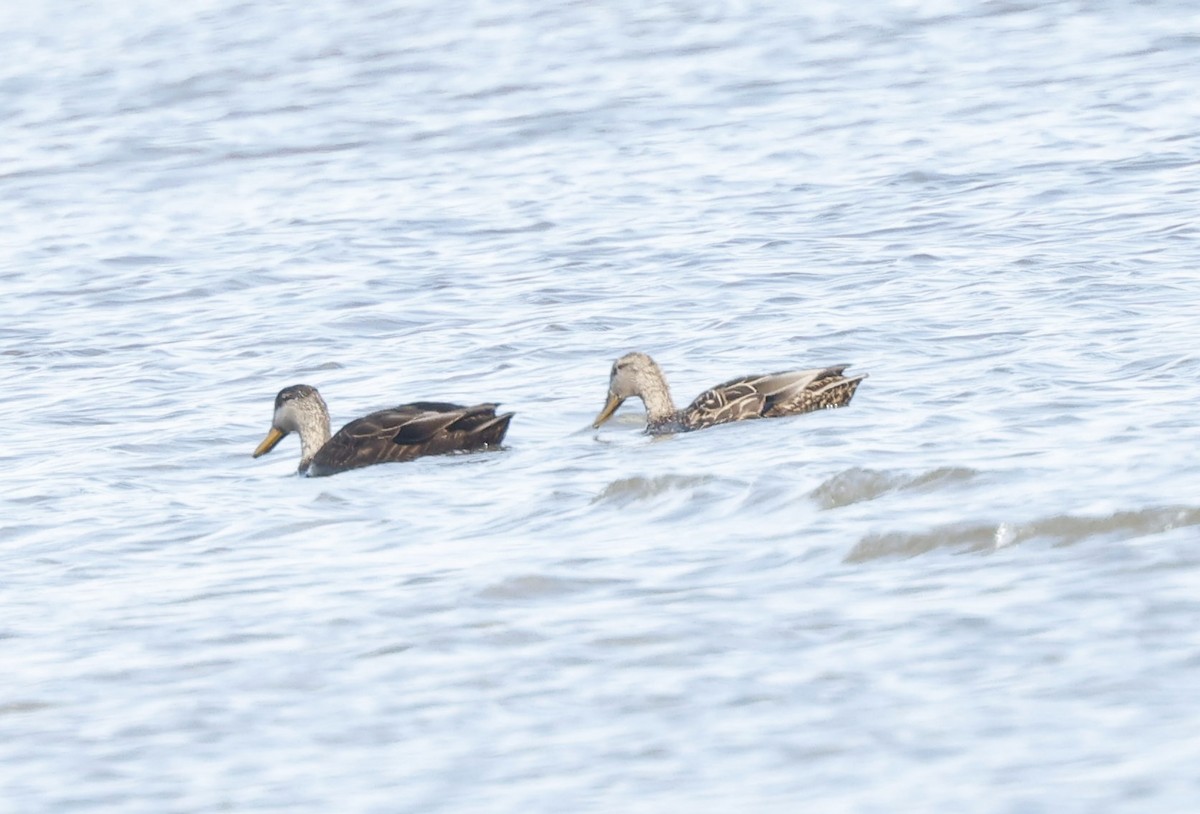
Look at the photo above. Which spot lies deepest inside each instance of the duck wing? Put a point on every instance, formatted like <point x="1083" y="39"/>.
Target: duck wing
<point x="409" y="431"/>
<point x="771" y="395"/>
<point x="804" y="391"/>
<point x="734" y="400"/>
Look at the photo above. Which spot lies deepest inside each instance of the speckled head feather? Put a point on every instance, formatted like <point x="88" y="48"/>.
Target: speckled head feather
<point x="636" y="374"/>
<point x="296" y="391"/>
<point x="300" y="409"/>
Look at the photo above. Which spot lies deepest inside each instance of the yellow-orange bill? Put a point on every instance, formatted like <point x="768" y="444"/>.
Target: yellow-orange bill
<point x="610" y="407"/>
<point x="268" y="444"/>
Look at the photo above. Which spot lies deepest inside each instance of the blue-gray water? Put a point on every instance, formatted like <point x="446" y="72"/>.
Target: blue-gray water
<point x="975" y="589"/>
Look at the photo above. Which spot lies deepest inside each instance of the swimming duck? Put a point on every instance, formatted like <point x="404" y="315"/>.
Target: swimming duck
<point x="397" y="434"/>
<point x="766" y="396"/>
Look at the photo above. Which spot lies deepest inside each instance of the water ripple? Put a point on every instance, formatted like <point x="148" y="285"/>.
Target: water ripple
<point x="988" y="208"/>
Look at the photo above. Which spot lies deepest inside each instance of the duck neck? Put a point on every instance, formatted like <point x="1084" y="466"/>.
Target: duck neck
<point x="656" y="396"/>
<point x="314" y="433"/>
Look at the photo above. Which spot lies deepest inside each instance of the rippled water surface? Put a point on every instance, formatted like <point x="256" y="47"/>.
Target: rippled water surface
<point x="975" y="589"/>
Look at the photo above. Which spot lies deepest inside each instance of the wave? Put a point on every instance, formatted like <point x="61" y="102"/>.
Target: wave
<point x="628" y="490"/>
<point x="1058" y="530"/>
<point x="857" y="484"/>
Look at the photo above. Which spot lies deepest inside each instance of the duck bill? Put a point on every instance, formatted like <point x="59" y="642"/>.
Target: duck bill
<point x="610" y="407"/>
<point x="268" y="443"/>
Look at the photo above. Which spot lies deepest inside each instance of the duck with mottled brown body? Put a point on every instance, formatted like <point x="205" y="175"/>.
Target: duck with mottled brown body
<point x="766" y="396"/>
<point x="397" y="434"/>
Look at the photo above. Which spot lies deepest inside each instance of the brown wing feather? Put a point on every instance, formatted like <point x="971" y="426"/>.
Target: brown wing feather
<point x="771" y="395"/>
<point x="410" y="431"/>
<point x="735" y="400"/>
<point x="828" y="389"/>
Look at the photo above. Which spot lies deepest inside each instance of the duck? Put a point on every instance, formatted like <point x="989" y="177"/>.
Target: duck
<point x="769" y="395"/>
<point x="399" y="433"/>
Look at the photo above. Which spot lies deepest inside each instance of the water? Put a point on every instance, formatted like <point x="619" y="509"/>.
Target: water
<point x="974" y="589"/>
